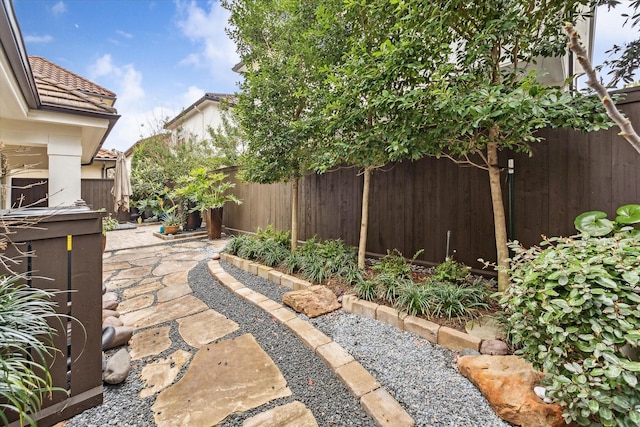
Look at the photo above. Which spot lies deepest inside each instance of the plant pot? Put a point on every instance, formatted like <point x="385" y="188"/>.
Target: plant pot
<point x="171" y="229"/>
<point x="194" y="221"/>
<point x="214" y="222"/>
<point x="134" y="213"/>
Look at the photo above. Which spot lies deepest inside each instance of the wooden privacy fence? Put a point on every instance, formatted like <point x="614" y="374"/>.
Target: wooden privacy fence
<point x="63" y="253"/>
<point x="414" y="205"/>
<point x="96" y="192"/>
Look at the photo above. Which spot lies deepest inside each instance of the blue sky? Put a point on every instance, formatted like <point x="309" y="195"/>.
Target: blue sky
<point x="159" y="56"/>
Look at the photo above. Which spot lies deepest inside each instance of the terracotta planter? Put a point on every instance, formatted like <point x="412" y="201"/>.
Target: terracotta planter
<point x="213" y="218"/>
<point x="171" y="229"/>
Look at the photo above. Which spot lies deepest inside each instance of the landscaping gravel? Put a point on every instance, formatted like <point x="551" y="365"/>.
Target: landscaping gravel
<point x="421" y="376"/>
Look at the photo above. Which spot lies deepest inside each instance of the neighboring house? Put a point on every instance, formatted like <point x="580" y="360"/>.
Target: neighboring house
<point x="195" y="120"/>
<point x="52" y="121"/>
<point x="103" y="166"/>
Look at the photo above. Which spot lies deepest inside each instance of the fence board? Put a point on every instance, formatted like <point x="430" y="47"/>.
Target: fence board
<point x="414" y="204"/>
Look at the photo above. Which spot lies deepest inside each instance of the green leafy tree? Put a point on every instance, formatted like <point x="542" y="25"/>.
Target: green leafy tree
<point x="488" y="95"/>
<point x="276" y="41"/>
<point x="369" y="118"/>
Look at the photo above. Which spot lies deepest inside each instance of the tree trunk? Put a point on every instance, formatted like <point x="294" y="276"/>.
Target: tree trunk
<point x="294" y="213"/>
<point x="499" y="222"/>
<point x="364" y="220"/>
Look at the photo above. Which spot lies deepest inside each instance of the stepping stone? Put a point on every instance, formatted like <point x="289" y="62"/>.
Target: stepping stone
<point x="142" y="289"/>
<point x="118" y="284"/>
<point x="170" y="310"/>
<point x="160" y="374"/>
<point x="135" y="303"/>
<point x="173" y="266"/>
<point x="228" y="377"/>
<point x="205" y="327"/>
<point x="133" y="273"/>
<point x="293" y="414"/>
<point x="145" y="261"/>
<point x="150" y="342"/>
<point x="185" y="256"/>
<point x="179" y="278"/>
<point x="173" y="292"/>
<point x="111" y="266"/>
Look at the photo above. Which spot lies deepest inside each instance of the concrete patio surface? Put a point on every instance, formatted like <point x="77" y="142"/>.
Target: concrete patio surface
<point x="223" y="376"/>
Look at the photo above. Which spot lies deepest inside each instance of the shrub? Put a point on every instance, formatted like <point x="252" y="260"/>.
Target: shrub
<point x="574" y="305"/>
<point x="412" y="298"/>
<point x="393" y="263"/>
<point x="26" y="345"/>
<point x="451" y="300"/>
<point x="281" y="237"/>
<point x="451" y="271"/>
<point x="366" y="289"/>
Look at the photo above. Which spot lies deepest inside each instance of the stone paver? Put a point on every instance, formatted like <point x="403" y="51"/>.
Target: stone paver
<point x="205" y="327"/>
<point x="293" y="414"/>
<point x="173" y="292"/>
<point x="160" y="374"/>
<point x="179" y="278"/>
<point x="149" y="342"/>
<point x="142" y="289"/>
<point x="136" y="303"/>
<point x="171" y="310"/>
<point x="383" y="408"/>
<point x="172" y="267"/>
<point x="230" y="376"/>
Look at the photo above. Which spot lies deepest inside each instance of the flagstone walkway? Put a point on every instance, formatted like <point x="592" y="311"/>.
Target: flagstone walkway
<point x="209" y="377"/>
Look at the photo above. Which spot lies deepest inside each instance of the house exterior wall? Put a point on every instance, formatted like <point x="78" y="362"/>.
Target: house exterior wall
<point x="197" y="121"/>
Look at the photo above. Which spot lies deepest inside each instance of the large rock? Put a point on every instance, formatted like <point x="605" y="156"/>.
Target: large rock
<point x="122" y="336"/>
<point x="507" y="382"/>
<point x="313" y="301"/>
<point x="117" y="368"/>
<point x="494" y="348"/>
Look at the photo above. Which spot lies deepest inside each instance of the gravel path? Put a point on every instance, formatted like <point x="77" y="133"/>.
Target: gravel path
<point x="420" y="375"/>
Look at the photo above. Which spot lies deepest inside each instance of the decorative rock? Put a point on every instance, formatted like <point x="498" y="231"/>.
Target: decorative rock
<point x="507" y="383"/>
<point x="117" y="368"/>
<point x="109" y="304"/>
<point x="112" y="321"/>
<point x="485" y="328"/>
<point x="122" y="337"/>
<point x="494" y="348"/>
<point x="109" y="313"/>
<point x="313" y="301"/>
<point x="215" y="256"/>
<point x="108" y="334"/>
<point x="541" y="392"/>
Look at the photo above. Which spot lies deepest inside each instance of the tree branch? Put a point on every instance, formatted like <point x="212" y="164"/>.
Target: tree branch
<point x="627" y="130"/>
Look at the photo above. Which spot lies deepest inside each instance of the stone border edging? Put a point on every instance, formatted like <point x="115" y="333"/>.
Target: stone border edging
<point x="441" y="335"/>
<point x="374" y="399"/>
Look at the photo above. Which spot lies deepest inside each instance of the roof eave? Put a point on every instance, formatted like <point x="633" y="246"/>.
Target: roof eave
<point x="16" y="53"/>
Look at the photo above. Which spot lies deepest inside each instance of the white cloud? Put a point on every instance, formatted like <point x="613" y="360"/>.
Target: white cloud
<point x="102" y="67"/>
<point x="192" y="95"/>
<point x="206" y="29"/>
<point x="124" y="34"/>
<point x="59" y="8"/>
<point x="38" y="39"/>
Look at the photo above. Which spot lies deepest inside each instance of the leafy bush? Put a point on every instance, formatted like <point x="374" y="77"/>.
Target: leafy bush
<point x="26" y="345"/>
<point x="412" y="298"/>
<point x="574" y="306"/>
<point x="366" y="289"/>
<point x="451" y="271"/>
<point x="394" y="264"/>
<point x="281" y="237"/>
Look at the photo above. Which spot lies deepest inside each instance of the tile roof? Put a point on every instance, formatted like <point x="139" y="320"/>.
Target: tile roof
<point x="62" y="88"/>
<point x="47" y="68"/>
<point x="104" y="154"/>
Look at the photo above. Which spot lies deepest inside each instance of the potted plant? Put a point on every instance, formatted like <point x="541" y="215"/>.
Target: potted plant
<point x="172" y="222"/>
<point x="206" y="191"/>
<point x="108" y="224"/>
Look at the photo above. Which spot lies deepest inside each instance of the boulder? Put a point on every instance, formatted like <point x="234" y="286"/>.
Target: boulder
<point x="494" y="348"/>
<point x="117" y="368"/>
<point x="507" y="382"/>
<point x="313" y="301"/>
<point x="122" y="336"/>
